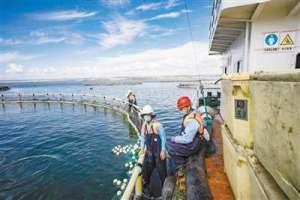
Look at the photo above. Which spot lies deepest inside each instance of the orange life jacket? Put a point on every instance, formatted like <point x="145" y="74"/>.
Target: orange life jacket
<point x="154" y="128"/>
<point x="199" y="118"/>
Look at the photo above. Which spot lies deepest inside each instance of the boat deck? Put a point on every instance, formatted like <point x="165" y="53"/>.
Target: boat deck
<point x="217" y="179"/>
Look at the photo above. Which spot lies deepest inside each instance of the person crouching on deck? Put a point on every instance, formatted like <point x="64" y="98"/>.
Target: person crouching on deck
<point x="153" y="144"/>
<point x="190" y="140"/>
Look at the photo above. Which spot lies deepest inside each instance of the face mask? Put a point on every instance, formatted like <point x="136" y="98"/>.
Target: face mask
<point x="147" y="118"/>
<point x="182" y="112"/>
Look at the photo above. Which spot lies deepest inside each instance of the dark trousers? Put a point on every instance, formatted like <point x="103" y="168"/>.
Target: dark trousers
<point x="180" y="152"/>
<point x="150" y="163"/>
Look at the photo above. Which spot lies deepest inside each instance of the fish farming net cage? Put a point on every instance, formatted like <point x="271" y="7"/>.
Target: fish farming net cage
<point x="92" y="100"/>
<point x="122" y="106"/>
<point x="47" y="97"/>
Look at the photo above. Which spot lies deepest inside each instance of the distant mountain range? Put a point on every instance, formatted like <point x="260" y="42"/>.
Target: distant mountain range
<point x="112" y="81"/>
<point x="139" y="80"/>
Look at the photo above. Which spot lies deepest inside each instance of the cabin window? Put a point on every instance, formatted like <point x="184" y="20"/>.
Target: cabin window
<point x="238" y="66"/>
<point x="219" y="94"/>
<point x="298" y="61"/>
<point x="209" y="94"/>
<point x="241" y="109"/>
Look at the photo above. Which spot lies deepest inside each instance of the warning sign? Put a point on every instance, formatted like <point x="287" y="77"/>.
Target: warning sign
<point x="287" y="40"/>
<point x="271" y="40"/>
<point x="279" y="41"/>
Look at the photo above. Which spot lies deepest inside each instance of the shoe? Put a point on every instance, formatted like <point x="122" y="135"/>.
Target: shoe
<point x="146" y="192"/>
<point x="180" y="180"/>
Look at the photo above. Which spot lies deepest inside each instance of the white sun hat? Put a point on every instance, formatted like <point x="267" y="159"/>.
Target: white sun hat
<point x="147" y="110"/>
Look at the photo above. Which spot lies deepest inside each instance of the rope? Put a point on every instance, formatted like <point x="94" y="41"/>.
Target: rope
<point x="190" y="32"/>
<point x="192" y="41"/>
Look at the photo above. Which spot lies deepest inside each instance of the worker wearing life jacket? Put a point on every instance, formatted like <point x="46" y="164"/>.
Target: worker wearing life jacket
<point x="192" y="134"/>
<point x="153" y="143"/>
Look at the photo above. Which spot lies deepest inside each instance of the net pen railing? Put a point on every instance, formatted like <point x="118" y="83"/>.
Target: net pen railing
<point x="95" y="100"/>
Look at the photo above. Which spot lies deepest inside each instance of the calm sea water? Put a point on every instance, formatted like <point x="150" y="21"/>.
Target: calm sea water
<point x="65" y="152"/>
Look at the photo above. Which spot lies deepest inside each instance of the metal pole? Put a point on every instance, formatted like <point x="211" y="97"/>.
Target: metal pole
<point x="204" y="101"/>
<point x="247" y="47"/>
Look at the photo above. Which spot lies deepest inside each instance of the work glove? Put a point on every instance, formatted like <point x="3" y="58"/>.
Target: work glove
<point x="173" y="139"/>
<point x="206" y="135"/>
<point x="162" y="155"/>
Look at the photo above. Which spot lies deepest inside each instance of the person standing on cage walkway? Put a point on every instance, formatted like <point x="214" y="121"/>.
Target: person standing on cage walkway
<point x="153" y="144"/>
<point x="131" y="100"/>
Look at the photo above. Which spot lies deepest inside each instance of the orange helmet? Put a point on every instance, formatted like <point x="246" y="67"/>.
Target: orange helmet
<point x="183" y="101"/>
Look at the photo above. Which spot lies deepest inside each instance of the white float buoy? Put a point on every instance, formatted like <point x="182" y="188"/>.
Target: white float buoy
<point x="123" y="187"/>
<point x="119" y="193"/>
<point x="118" y="182"/>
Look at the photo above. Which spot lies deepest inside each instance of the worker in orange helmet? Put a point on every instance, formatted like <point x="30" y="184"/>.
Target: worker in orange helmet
<point x="190" y="140"/>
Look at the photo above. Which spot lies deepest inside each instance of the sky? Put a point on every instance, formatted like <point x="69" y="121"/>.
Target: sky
<point x="57" y="39"/>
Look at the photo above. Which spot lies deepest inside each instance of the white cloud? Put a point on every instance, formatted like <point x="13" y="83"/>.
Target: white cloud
<point x="63" y="15"/>
<point x="43" y="38"/>
<point x="14" y="68"/>
<point x="157" y="33"/>
<point x="169" y="15"/>
<point x="159" y="5"/>
<point x="47" y="40"/>
<point x="165" y="16"/>
<point x="150" y="6"/>
<point x="14" y="56"/>
<point x="186" y="11"/>
<point x="17" y="71"/>
<point x="39" y="37"/>
<point x="115" y="2"/>
<point x="178" y="60"/>
<point x="120" y="31"/>
<point x="75" y="39"/>
<point x="170" y="61"/>
<point x="35" y="71"/>
<point x="172" y="3"/>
